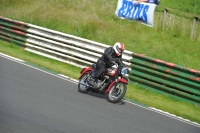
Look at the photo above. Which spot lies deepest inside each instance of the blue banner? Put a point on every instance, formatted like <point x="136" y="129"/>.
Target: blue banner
<point x="128" y="9"/>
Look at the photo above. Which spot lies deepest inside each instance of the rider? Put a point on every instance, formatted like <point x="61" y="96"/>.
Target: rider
<point x="105" y="61"/>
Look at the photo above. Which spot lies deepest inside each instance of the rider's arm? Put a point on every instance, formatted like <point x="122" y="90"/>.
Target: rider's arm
<point x="119" y="61"/>
<point x="108" y="53"/>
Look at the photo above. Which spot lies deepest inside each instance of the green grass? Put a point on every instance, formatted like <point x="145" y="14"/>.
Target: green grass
<point x="187" y="6"/>
<point x="95" y="20"/>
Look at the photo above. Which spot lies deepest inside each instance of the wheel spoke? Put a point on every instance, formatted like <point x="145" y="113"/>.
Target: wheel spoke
<point x="116" y="91"/>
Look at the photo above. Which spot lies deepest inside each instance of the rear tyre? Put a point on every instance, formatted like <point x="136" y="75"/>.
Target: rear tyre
<point x="82" y="88"/>
<point x="117" y="92"/>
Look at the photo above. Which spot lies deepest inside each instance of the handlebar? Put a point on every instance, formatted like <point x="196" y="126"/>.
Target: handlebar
<point x="115" y="64"/>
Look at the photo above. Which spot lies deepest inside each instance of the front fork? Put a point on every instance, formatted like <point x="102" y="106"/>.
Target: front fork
<point x="119" y="79"/>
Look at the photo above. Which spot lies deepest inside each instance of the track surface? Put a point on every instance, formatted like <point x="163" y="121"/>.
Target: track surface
<point x="32" y="101"/>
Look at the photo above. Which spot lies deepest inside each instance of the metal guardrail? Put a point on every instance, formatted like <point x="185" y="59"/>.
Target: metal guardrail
<point x="162" y="77"/>
<point x="63" y="47"/>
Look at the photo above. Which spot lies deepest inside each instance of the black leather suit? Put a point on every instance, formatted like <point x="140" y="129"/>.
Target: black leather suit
<point x="105" y="61"/>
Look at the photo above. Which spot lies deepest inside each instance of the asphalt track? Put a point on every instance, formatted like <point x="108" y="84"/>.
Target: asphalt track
<point x="34" y="101"/>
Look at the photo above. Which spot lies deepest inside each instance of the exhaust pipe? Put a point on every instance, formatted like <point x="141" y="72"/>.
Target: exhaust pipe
<point x="84" y="84"/>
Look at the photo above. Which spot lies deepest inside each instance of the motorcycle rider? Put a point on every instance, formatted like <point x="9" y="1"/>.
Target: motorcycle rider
<point x="105" y="61"/>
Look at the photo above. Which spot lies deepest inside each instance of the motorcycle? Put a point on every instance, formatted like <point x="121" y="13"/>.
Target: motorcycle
<point x="112" y="83"/>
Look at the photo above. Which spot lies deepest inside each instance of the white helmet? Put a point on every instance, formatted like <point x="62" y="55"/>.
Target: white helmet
<point x="119" y="48"/>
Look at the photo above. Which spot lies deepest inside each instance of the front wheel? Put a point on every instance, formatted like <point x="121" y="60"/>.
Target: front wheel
<point x="82" y="88"/>
<point x="117" y="92"/>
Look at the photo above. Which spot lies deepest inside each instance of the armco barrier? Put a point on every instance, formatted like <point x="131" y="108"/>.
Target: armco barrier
<point x="63" y="47"/>
<point x="173" y="80"/>
<point x="164" y="77"/>
<point x="13" y="31"/>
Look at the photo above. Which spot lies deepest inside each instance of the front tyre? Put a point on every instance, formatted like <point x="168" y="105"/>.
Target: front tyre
<point x="82" y="88"/>
<point x="117" y="92"/>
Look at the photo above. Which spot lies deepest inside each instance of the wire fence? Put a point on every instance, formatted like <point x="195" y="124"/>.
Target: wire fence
<point x="180" y="23"/>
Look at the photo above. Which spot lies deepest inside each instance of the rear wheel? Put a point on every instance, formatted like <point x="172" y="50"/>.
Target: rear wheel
<point x="82" y="88"/>
<point x="117" y="92"/>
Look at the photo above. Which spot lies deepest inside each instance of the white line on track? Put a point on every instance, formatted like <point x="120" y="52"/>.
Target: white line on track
<point x="23" y="63"/>
<point x="10" y="57"/>
<point x="166" y="114"/>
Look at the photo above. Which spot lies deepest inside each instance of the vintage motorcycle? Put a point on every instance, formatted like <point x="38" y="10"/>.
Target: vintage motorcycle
<point x="112" y="83"/>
